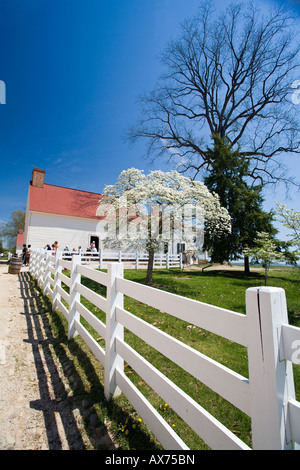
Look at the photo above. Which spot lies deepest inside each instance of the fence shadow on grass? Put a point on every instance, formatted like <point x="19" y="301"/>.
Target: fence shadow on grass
<point x="70" y="419"/>
<point x="75" y="409"/>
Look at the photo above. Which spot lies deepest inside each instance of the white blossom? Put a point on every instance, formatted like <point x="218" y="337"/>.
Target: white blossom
<point x="265" y="250"/>
<point x="290" y="219"/>
<point x="147" y="209"/>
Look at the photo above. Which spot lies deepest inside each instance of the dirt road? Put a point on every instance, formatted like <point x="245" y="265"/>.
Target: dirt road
<point x="21" y="424"/>
<point x="37" y="410"/>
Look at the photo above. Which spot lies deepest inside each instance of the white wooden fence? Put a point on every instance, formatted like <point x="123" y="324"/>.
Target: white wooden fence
<point x="267" y="396"/>
<point x="129" y="259"/>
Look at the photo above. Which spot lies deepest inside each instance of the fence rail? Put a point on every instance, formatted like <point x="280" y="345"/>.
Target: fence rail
<point x="267" y="396"/>
<point x="134" y="260"/>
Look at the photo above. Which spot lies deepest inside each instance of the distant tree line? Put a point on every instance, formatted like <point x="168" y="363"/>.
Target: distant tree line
<point x="9" y="231"/>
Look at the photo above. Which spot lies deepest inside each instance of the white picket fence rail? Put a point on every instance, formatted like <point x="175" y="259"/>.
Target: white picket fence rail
<point x="135" y="259"/>
<point x="267" y="396"/>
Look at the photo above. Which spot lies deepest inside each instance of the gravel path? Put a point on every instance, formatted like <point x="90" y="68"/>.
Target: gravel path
<point x="37" y="411"/>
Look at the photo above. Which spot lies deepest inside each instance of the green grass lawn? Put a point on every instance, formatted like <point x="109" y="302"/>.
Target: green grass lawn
<point x="221" y="288"/>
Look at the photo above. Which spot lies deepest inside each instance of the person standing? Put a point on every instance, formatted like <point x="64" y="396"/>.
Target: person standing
<point x="24" y="251"/>
<point x="28" y="255"/>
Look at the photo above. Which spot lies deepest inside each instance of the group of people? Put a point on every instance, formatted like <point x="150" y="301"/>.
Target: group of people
<point x="55" y="247"/>
<point x="27" y="249"/>
<point x="26" y="255"/>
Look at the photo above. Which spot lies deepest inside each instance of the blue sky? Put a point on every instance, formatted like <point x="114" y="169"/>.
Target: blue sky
<point x="73" y="70"/>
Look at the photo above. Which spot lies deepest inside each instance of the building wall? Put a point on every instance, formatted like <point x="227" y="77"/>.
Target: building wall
<point x="43" y="229"/>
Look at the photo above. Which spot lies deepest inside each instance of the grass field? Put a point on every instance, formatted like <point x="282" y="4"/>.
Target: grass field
<point x="222" y="288"/>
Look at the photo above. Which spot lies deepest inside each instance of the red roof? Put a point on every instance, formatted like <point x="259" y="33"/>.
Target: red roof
<point x="63" y="201"/>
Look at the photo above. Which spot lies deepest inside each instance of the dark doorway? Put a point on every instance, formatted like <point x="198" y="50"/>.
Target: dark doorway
<point x="96" y="240"/>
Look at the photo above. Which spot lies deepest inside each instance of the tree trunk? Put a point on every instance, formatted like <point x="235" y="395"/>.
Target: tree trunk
<point x="246" y="265"/>
<point x="150" y="266"/>
<point x="266" y="274"/>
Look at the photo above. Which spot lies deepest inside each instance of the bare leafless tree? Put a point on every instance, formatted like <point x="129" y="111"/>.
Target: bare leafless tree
<point x="229" y="74"/>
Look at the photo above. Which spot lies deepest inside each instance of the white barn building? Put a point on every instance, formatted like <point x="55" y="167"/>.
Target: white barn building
<point x="65" y="215"/>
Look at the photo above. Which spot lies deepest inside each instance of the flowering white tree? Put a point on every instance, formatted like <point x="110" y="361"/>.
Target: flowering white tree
<point x="290" y="219"/>
<point x="265" y="250"/>
<point x="147" y="210"/>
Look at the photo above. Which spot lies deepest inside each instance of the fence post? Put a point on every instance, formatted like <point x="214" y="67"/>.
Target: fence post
<point x="167" y="260"/>
<point x="180" y="260"/>
<point x="36" y="265"/>
<point x="113" y="330"/>
<point x="271" y="380"/>
<point x="57" y="281"/>
<point x="74" y="297"/>
<point x="47" y="274"/>
<point x="100" y="259"/>
<point x="40" y="268"/>
<point x="137" y="260"/>
<point x="32" y="263"/>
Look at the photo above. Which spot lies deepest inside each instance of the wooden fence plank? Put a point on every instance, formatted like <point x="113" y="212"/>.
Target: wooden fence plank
<point x="93" y="297"/>
<point x="294" y="418"/>
<point x="63" y="309"/>
<point x="64" y="294"/>
<point x="65" y="279"/>
<point x="91" y="273"/>
<point x="91" y="319"/>
<point x="203" y="423"/>
<point x="226" y="323"/>
<point x="290" y="343"/>
<point x="229" y="384"/>
<point x="91" y="342"/>
<point x="164" y="433"/>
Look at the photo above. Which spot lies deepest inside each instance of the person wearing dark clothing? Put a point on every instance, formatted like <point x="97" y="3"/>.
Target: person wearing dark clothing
<point x="24" y="252"/>
<point x="28" y="255"/>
